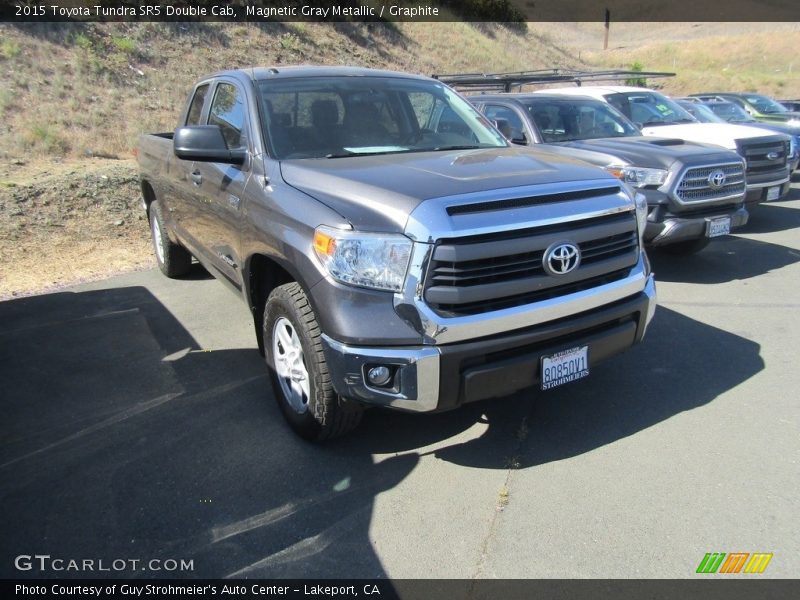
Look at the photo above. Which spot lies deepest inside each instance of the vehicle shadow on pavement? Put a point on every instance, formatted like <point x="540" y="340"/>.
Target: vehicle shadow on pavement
<point x="730" y="259"/>
<point x="122" y="439"/>
<point x="767" y="218"/>
<point x="682" y="365"/>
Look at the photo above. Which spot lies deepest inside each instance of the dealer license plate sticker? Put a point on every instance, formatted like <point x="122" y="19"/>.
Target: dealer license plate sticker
<point x="564" y="367"/>
<point x="773" y="193"/>
<point x="718" y="227"/>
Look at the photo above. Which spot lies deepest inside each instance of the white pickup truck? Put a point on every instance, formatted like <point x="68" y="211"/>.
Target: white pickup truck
<point x="765" y="152"/>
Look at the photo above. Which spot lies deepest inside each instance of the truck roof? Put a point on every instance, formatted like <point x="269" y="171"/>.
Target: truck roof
<point x="286" y="72"/>
<point x="593" y="90"/>
<point x="542" y="95"/>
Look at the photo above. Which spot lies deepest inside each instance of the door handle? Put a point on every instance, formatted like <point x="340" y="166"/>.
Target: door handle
<point x="197" y="177"/>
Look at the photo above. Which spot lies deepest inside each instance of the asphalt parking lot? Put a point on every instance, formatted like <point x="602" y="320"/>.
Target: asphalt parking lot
<point x="138" y="424"/>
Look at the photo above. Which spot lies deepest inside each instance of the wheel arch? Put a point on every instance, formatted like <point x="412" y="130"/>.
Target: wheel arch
<point x="264" y="274"/>
<point x="148" y="196"/>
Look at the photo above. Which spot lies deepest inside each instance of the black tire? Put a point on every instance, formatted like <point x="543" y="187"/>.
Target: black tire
<point x="685" y="248"/>
<point x="173" y="259"/>
<point x="316" y="414"/>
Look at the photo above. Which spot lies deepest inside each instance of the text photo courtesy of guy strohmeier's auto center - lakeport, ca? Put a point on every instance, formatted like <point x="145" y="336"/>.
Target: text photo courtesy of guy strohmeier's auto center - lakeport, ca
<point x="481" y="299"/>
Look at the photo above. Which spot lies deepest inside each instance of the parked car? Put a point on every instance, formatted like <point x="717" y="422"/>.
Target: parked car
<point x="765" y="152"/>
<point x="792" y="105"/>
<point x="721" y="111"/>
<point x="694" y="192"/>
<point x="394" y="249"/>
<point x="760" y="107"/>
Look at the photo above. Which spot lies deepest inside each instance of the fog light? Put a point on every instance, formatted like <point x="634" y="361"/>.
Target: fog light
<point x="379" y="375"/>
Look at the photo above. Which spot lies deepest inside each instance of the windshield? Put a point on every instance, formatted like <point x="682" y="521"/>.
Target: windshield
<point x="339" y="117"/>
<point x="649" y="108"/>
<point x="701" y="112"/>
<point x="731" y="112"/>
<point x="561" y="120"/>
<point x="765" y="104"/>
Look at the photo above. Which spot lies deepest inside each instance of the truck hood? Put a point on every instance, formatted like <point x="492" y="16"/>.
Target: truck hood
<point x="379" y="192"/>
<point x="774" y="126"/>
<point x="720" y="134"/>
<point x="646" y="151"/>
<point x="782" y="117"/>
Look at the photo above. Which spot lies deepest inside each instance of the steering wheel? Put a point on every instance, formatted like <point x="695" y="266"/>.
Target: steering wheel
<point x="416" y="135"/>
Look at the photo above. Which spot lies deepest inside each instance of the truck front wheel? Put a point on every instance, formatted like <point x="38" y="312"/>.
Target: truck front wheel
<point x="173" y="259"/>
<point x="300" y="379"/>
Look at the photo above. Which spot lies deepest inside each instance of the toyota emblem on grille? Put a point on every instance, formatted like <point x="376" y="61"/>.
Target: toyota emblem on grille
<point x="772" y="156"/>
<point x="561" y="258"/>
<point x="716" y="179"/>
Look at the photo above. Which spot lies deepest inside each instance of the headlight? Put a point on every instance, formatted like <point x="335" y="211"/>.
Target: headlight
<point x="373" y="260"/>
<point x="638" y="176"/>
<point x="641" y="211"/>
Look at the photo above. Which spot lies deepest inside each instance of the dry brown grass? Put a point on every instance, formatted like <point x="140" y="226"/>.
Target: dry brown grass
<point x="755" y="57"/>
<point x="67" y="222"/>
<point x="90" y="90"/>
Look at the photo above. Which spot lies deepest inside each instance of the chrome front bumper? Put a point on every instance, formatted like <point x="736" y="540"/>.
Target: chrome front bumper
<point x="419" y="368"/>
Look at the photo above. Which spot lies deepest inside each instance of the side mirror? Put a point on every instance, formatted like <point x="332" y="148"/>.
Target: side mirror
<point x="205" y="143"/>
<point x="503" y="127"/>
<point x="518" y="137"/>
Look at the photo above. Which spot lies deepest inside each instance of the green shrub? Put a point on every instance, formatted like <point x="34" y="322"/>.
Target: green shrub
<point x="46" y="137"/>
<point x="84" y="41"/>
<point x="9" y="49"/>
<point x="636" y="81"/>
<point x="123" y="44"/>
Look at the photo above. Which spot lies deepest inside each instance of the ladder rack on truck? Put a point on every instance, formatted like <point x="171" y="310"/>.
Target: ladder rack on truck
<point x="505" y="82"/>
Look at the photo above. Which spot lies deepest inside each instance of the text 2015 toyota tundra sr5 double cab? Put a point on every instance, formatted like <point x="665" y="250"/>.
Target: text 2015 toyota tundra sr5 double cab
<point x="393" y="248"/>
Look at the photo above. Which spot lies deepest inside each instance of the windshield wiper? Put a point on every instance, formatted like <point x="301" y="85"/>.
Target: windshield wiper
<point x="454" y="147"/>
<point x="348" y="153"/>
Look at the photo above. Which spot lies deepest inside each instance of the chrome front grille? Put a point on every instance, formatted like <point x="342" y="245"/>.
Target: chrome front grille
<point x="695" y="185"/>
<point x="489" y="272"/>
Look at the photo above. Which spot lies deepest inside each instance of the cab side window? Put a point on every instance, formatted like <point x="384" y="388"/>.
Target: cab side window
<point x="196" y="108"/>
<point x="495" y="112"/>
<point x="227" y="111"/>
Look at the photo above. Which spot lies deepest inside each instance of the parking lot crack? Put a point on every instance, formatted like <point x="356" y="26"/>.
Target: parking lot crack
<point x="502" y="500"/>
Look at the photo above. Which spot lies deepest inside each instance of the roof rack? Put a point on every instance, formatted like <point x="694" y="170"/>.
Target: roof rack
<point x="504" y="82"/>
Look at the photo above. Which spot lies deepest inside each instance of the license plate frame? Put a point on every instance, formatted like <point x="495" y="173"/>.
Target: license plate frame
<point x="773" y="193"/>
<point x="718" y="226"/>
<point x="564" y="366"/>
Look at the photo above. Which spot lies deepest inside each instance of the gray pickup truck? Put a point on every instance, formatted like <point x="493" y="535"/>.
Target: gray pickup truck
<point x="394" y="249"/>
<point x="695" y="192"/>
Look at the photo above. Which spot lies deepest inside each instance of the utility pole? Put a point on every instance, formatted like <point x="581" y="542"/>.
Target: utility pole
<point x="608" y="23"/>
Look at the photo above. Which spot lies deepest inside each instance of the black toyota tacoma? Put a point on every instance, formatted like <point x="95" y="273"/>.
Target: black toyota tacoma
<point x="695" y="192"/>
<point x="394" y="249"/>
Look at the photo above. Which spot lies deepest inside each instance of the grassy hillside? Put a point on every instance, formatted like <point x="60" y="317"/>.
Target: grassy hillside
<point x="74" y="98"/>
<point x="89" y="90"/>
<point x="753" y="57"/>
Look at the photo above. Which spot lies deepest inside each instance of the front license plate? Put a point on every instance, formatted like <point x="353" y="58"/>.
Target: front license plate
<point x="773" y="193"/>
<point x="565" y="366"/>
<point x="718" y="227"/>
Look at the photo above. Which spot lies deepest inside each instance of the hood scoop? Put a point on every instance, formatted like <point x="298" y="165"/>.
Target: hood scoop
<point x="477" y="207"/>
<point x="668" y="142"/>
